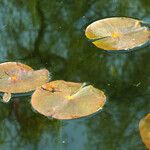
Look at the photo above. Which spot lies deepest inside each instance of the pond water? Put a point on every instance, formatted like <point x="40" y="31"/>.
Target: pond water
<point x="50" y="34"/>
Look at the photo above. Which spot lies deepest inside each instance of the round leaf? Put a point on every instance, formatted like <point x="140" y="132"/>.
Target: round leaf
<point x="20" y="78"/>
<point x="67" y="100"/>
<point x="118" y="33"/>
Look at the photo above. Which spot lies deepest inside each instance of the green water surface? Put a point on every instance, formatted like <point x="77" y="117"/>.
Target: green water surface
<point x="50" y="34"/>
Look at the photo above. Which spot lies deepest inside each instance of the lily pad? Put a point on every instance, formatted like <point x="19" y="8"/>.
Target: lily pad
<point x="118" y="33"/>
<point x="144" y="127"/>
<point x="20" y="78"/>
<point x="67" y="100"/>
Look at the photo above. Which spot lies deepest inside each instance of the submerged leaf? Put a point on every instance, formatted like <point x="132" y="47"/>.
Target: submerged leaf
<point x="118" y="33"/>
<point x="144" y="127"/>
<point x="67" y="100"/>
<point x="20" y="78"/>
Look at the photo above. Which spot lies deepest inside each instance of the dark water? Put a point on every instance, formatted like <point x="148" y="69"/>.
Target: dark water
<point x="50" y="34"/>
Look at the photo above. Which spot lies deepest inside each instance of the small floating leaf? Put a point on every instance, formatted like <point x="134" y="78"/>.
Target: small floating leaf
<point x="67" y="100"/>
<point x="118" y="33"/>
<point x="144" y="127"/>
<point x="20" y="78"/>
<point x="6" y="97"/>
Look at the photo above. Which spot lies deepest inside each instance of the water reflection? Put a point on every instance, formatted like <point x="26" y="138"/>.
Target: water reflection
<point x="21" y="128"/>
<point x="51" y="34"/>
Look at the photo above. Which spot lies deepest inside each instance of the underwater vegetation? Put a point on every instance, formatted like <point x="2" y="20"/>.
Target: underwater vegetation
<point x="118" y="33"/>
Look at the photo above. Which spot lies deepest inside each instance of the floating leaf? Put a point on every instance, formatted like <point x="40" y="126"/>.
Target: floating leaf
<point x="144" y="127"/>
<point x="67" y="100"/>
<point x="118" y="33"/>
<point x="20" y="78"/>
<point x="6" y="97"/>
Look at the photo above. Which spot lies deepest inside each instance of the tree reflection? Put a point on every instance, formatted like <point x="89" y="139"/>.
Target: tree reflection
<point x="51" y="34"/>
<point x="21" y="127"/>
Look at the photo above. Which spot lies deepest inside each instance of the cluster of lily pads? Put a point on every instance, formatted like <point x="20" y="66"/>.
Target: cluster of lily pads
<point x="58" y="99"/>
<point x="67" y="100"/>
